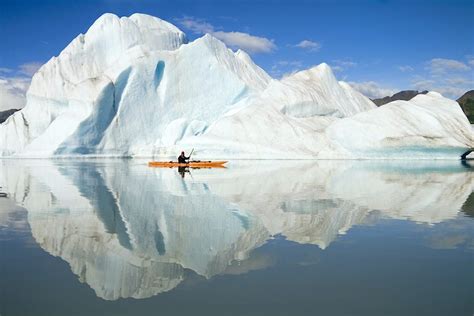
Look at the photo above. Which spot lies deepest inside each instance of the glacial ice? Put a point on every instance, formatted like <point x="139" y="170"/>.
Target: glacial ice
<point x="134" y="86"/>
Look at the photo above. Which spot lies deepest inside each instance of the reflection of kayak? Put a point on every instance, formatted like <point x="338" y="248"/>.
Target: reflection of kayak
<point x="191" y="164"/>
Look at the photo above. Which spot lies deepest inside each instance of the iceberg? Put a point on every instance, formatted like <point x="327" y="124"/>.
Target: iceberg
<point x="136" y="87"/>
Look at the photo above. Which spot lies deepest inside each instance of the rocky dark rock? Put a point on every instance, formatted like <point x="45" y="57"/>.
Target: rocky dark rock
<point x="6" y="114"/>
<point x="467" y="105"/>
<point x="402" y="95"/>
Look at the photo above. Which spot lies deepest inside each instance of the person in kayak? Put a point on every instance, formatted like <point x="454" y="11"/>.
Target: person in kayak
<point x="182" y="158"/>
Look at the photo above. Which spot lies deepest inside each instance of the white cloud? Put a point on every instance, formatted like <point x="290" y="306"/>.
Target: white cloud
<point x="283" y="68"/>
<point x="309" y="45"/>
<point x="249" y="43"/>
<point x="339" y="65"/>
<point x="5" y="70"/>
<point x="451" y="92"/>
<point x="405" y="68"/>
<point x="459" y="81"/>
<point x="14" y="83"/>
<point x="440" y="66"/>
<point x="449" y="87"/>
<point x="30" y="68"/>
<point x="197" y="26"/>
<point x="294" y="63"/>
<point x="372" y="89"/>
<point x="13" y="92"/>
<point x="423" y="84"/>
<point x="245" y="41"/>
<point x="337" y="68"/>
<point x="470" y="60"/>
<point x="450" y="77"/>
<point x="345" y="63"/>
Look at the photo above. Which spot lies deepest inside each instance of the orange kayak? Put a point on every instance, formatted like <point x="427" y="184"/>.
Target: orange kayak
<point x="191" y="164"/>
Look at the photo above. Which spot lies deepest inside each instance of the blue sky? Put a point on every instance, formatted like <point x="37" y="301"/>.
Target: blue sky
<point x="378" y="46"/>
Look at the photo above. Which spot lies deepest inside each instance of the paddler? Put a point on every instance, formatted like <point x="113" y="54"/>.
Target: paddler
<point x="182" y="158"/>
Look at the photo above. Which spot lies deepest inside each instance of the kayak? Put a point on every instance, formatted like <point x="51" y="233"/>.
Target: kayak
<point x="191" y="164"/>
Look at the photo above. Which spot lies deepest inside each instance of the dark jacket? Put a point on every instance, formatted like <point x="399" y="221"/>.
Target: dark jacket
<point x="182" y="158"/>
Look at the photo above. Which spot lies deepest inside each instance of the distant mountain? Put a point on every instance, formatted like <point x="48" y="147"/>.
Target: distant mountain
<point x="405" y="95"/>
<point x="6" y="114"/>
<point x="467" y="105"/>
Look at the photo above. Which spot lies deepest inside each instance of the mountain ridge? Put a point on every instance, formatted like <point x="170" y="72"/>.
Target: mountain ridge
<point x="405" y="95"/>
<point x="466" y="101"/>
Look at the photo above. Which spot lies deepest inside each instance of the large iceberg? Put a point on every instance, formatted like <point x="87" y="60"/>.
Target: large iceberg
<point x="134" y="86"/>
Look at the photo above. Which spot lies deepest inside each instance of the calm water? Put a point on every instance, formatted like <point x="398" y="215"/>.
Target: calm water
<point x="114" y="237"/>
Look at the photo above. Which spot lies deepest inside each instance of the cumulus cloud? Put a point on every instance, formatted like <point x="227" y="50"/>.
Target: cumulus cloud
<point x="14" y="83"/>
<point x="284" y="68"/>
<point x="5" y="70"/>
<point x="442" y="66"/>
<point x="405" y="68"/>
<point x="249" y="43"/>
<point x="470" y="60"/>
<point x="451" y="92"/>
<point x="459" y="81"/>
<point x="372" y="89"/>
<point x="450" y="77"/>
<point x="309" y="45"/>
<point x="423" y="84"/>
<point x="195" y="25"/>
<point x="449" y="87"/>
<point x="339" y="65"/>
<point x="294" y="63"/>
<point x="245" y="41"/>
<point x="30" y="68"/>
<point x="12" y="92"/>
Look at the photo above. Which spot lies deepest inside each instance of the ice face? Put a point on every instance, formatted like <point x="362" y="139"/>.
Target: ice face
<point x="426" y="126"/>
<point x="134" y="86"/>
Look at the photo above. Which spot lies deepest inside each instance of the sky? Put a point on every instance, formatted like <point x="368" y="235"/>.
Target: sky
<point x="379" y="47"/>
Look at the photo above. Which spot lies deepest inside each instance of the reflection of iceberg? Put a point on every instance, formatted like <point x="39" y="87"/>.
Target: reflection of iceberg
<point x="420" y="193"/>
<point x="125" y="241"/>
<point x="131" y="231"/>
<point x="312" y="202"/>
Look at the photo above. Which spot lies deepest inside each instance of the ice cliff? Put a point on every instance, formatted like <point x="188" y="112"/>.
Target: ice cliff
<point x="134" y="86"/>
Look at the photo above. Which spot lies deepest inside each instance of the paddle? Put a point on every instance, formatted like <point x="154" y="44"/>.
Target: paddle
<point x="191" y="154"/>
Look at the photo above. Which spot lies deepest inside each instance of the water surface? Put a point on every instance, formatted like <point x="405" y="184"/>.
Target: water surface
<point x="114" y="237"/>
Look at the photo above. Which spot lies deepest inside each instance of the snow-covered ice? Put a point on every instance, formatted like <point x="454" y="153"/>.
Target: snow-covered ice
<point x="135" y="86"/>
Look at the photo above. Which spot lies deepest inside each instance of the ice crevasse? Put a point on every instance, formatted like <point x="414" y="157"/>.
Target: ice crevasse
<point x="135" y="86"/>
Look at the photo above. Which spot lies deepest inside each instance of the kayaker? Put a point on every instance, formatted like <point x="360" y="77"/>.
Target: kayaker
<point x="182" y="158"/>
